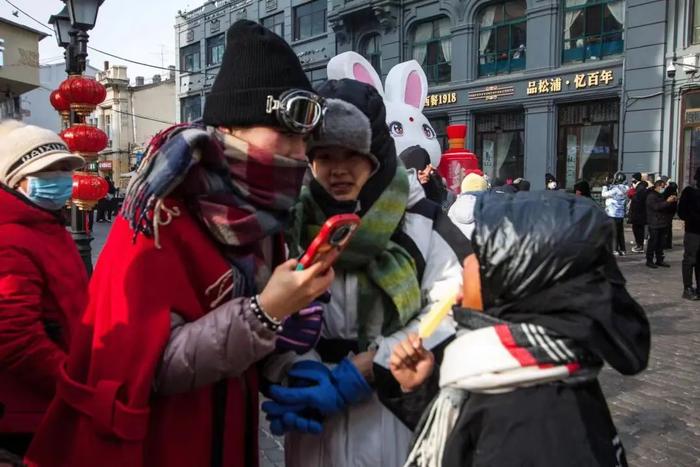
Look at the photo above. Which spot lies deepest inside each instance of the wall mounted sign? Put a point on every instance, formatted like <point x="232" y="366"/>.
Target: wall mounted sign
<point x="692" y="116"/>
<point x="270" y="5"/>
<point x="105" y="165"/>
<point x="592" y="79"/>
<point x="444" y="98"/>
<point x="491" y="93"/>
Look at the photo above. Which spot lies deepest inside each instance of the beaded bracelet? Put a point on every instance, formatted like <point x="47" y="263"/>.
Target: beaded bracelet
<point x="268" y="321"/>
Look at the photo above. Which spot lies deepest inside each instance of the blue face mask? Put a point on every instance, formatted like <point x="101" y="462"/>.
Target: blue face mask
<point x="50" y="190"/>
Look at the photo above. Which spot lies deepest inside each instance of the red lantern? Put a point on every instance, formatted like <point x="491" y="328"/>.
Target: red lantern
<point x="83" y="93"/>
<point x="84" y="139"/>
<point x="60" y="103"/>
<point x="88" y="189"/>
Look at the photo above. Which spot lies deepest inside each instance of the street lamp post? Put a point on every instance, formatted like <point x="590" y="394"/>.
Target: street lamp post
<point x="70" y="27"/>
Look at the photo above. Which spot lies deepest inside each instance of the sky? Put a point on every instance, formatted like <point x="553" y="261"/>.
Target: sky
<point x="141" y="30"/>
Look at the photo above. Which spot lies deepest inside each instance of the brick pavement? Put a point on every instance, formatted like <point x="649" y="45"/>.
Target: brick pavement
<point x="657" y="412"/>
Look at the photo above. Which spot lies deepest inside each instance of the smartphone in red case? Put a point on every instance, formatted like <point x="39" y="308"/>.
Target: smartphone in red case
<point x="330" y="241"/>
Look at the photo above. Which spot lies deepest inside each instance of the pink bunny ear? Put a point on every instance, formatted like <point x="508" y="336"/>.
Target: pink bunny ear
<point x="354" y="66"/>
<point x="413" y="92"/>
<point x="361" y="73"/>
<point x="407" y="83"/>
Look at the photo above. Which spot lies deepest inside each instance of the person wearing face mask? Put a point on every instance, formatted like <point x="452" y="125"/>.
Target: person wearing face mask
<point x="660" y="213"/>
<point x="43" y="281"/>
<point x="615" y="196"/>
<point x="193" y="287"/>
<point x="404" y="257"/>
<point x="550" y="182"/>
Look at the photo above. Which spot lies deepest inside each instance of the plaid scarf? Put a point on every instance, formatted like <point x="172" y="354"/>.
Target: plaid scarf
<point x="240" y="193"/>
<point x="386" y="271"/>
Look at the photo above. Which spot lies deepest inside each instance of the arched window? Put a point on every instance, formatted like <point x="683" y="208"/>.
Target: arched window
<point x="432" y="48"/>
<point x="593" y="29"/>
<point x="371" y="49"/>
<point x="502" y="38"/>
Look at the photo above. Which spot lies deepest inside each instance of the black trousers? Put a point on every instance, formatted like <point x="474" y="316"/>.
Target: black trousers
<point x="619" y="234"/>
<point x="691" y="259"/>
<point x="638" y="231"/>
<point x="668" y="242"/>
<point x="655" y="247"/>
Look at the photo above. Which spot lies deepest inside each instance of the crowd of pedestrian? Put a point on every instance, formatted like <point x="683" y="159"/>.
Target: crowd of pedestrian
<point x="198" y="303"/>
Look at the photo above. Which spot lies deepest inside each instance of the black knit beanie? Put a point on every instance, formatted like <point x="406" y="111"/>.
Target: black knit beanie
<point x="257" y="63"/>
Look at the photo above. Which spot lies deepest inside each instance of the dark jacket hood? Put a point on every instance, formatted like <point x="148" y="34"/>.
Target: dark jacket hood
<point x="370" y="102"/>
<point x="546" y="259"/>
<point x="16" y="209"/>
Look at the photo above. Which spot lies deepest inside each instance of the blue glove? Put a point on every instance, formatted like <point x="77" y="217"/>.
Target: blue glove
<point x="286" y="418"/>
<point x="330" y="391"/>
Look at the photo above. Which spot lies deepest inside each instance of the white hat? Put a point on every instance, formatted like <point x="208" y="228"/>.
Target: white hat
<point x="28" y="149"/>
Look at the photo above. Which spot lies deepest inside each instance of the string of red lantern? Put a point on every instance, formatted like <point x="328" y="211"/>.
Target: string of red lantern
<point x="82" y="95"/>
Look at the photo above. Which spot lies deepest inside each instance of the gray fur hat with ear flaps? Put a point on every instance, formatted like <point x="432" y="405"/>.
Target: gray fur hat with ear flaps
<point x="346" y="126"/>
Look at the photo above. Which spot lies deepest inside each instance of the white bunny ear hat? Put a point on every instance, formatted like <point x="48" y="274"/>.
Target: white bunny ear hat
<point x="354" y="66"/>
<point x="407" y="83"/>
<point x="404" y="97"/>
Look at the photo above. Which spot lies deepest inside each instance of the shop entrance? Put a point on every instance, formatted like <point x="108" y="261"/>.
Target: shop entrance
<point x="500" y="144"/>
<point x="690" y="141"/>
<point x="587" y="142"/>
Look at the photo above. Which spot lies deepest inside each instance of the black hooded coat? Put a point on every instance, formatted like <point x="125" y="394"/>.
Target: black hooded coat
<point x="545" y="259"/>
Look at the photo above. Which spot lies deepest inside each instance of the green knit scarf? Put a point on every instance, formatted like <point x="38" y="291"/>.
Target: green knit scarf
<point x="385" y="270"/>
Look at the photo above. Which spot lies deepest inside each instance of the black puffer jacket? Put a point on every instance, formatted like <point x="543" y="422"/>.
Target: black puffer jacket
<point x="689" y="208"/>
<point x="533" y="246"/>
<point x="638" y="205"/>
<point x="545" y="259"/>
<point x="659" y="211"/>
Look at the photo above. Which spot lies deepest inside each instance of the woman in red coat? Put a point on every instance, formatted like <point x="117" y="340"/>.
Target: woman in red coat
<point x="191" y="288"/>
<point x="43" y="282"/>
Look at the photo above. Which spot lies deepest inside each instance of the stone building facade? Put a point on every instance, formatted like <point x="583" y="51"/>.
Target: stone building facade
<point x="576" y="88"/>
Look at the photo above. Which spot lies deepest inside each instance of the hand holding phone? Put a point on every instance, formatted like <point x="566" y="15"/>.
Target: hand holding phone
<point x="330" y="241"/>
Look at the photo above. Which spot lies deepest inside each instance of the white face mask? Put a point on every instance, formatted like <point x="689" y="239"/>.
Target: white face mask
<point x="552" y="185"/>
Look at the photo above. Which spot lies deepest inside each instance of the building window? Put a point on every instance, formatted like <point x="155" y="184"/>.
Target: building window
<point x="439" y="124"/>
<point x="690" y="143"/>
<point x="694" y="21"/>
<point x="108" y="126"/>
<point x="587" y="147"/>
<point x="189" y="58"/>
<point x="275" y="23"/>
<point x="190" y="108"/>
<point x="432" y="48"/>
<point x="371" y="49"/>
<point x="500" y="144"/>
<point x="593" y="29"/>
<point x="310" y="19"/>
<point x="502" y="38"/>
<point x="317" y="76"/>
<point x="215" y="49"/>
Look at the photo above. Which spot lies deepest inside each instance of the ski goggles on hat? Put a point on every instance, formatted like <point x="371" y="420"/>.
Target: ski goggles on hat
<point x="298" y="111"/>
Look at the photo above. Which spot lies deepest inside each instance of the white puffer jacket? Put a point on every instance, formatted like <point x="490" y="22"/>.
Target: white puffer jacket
<point x="367" y="434"/>
<point x="462" y="214"/>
